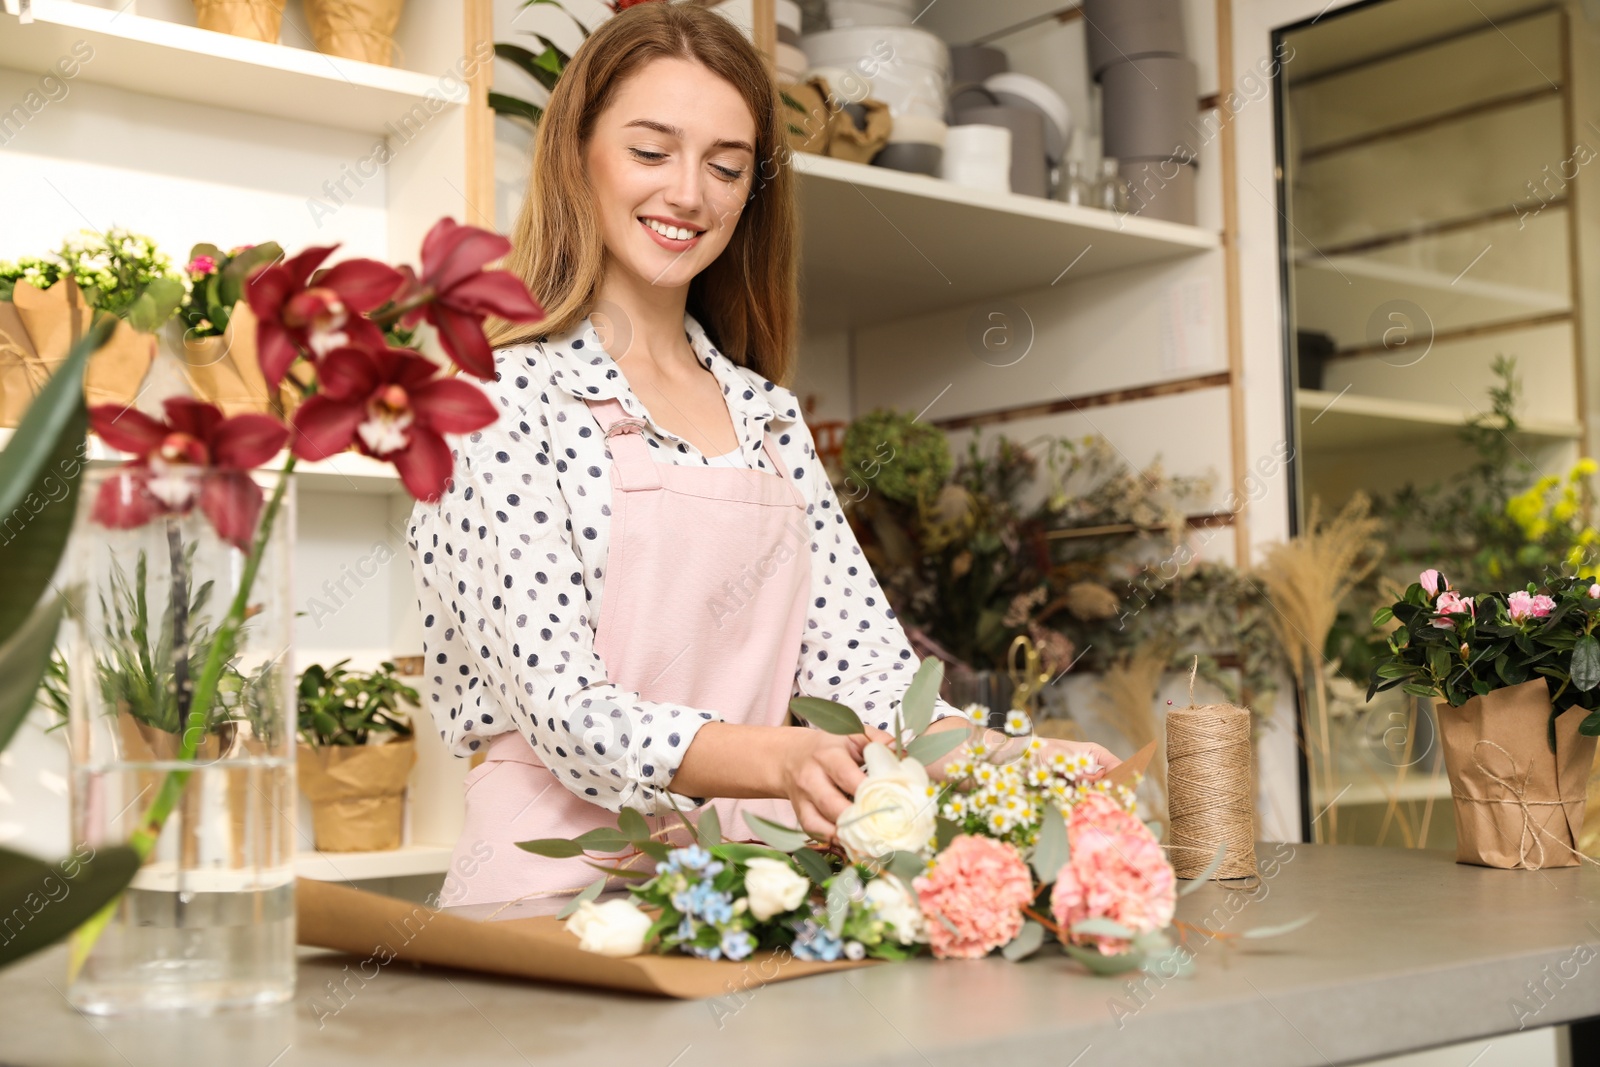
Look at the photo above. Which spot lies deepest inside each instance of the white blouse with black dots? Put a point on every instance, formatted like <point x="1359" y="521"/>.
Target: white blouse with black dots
<point x="510" y="560"/>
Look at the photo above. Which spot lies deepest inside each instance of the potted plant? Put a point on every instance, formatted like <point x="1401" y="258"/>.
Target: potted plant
<point x="1520" y="673"/>
<point x="356" y="752"/>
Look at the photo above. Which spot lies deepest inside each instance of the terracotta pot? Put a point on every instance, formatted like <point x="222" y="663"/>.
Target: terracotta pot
<point x="258" y="20"/>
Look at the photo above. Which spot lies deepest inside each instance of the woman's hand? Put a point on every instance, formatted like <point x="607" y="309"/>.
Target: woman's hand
<point x="819" y="776"/>
<point x="1003" y="748"/>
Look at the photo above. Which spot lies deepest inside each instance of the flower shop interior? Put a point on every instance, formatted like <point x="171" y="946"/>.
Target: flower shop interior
<point x="1197" y="330"/>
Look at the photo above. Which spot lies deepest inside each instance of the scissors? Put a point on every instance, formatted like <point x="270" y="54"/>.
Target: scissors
<point x="1026" y="678"/>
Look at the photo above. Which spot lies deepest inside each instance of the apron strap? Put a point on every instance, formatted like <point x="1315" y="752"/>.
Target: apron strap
<point x="624" y="436"/>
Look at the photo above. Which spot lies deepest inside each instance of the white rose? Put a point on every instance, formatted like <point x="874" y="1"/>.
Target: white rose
<point x="773" y="886"/>
<point x="895" y="905"/>
<point x="892" y="811"/>
<point x="615" y="928"/>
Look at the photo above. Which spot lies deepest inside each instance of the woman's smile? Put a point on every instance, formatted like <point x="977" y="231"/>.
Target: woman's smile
<point x="670" y="233"/>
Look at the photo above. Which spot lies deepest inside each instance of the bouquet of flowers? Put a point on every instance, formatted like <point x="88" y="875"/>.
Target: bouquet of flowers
<point x="1008" y="848"/>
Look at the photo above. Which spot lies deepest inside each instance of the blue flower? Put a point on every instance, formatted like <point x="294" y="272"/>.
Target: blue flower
<point x="712" y="953"/>
<point x="686" y="929"/>
<point x="813" y="941"/>
<point x="694" y="857"/>
<point x="737" y="944"/>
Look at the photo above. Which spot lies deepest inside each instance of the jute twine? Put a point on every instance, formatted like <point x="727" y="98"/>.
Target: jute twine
<point x="1210" y="789"/>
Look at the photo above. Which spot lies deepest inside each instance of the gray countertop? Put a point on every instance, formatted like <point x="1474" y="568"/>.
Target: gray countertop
<point x="1408" y="950"/>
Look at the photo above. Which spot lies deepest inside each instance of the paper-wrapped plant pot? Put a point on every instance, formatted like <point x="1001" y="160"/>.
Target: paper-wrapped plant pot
<point x="355" y="29"/>
<point x="1518" y="805"/>
<point x="258" y="20"/>
<point x="357" y="793"/>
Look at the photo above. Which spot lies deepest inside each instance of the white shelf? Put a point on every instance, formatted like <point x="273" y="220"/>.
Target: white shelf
<point x="1333" y="420"/>
<point x="881" y="245"/>
<point x="1416" y="787"/>
<point x="354" y="866"/>
<point x="181" y="62"/>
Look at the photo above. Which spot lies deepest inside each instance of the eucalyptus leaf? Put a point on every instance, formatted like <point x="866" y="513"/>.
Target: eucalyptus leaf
<point x="945" y="831"/>
<point x="623" y="872"/>
<point x="710" y="828"/>
<point x="743" y="852"/>
<point x="1026" y="943"/>
<point x="92" y="885"/>
<point x="845" y="883"/>
<point x="555" y="847"/>
<point x="1050" y="852"/>
<point x="828" y="715"/>
<point x="1205" y="875"/>
<point x="602" y="839"/>
<point x="1103" y="964"/>
<point x="590" y="891"/>
<point x="1102" y="927"/>
<point x="811" y="862"/>
<point x="782" y="838"/>
<point x="921" y="695"/>
<point x="905" y="865"/>
<point x="931" y="747"/>
<point x="631" y="825"/>
<point x="1281" y="928"/>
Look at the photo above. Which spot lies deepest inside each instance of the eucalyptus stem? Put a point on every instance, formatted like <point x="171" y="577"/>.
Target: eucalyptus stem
<point x="143" y="839"/>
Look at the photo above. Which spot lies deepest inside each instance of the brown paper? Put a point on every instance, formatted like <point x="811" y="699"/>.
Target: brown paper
<point x="258" y="20"/>
<point x="1122" y="773"/>
<point x="357" y="793"/>
<point x="226" y="370"/>
<point x="367" y="924"/>
<point x="810" y="129"/>
<point x="1532" y="816"/>
<point x="860" y="145"/>
<point x="51" y="321"/>
<point x="355" y="29"/>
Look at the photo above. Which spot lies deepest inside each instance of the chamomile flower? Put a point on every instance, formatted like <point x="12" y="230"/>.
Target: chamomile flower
<point x="1017" y="722"/>
<point x="977" y="714"/>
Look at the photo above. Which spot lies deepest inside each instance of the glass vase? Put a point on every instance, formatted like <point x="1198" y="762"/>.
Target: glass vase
<point x="990" y="688"/>
<point x="208" y="921"/>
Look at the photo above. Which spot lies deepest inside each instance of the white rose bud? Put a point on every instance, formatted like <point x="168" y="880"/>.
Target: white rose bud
<point x="615" y="928"/>
<point x="892" y="811"/>
<point x="895" y="905"/>
<point x="773" y="886"/>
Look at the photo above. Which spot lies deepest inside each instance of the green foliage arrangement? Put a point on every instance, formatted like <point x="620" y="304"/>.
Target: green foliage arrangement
<point x="119" y="271"/>
<point x="344" y="707"/>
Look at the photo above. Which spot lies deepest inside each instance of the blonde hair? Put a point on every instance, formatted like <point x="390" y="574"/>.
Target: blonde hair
<point x="747" y="298"/>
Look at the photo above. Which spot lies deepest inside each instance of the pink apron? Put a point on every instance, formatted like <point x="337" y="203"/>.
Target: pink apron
<point x="707" y="577"/>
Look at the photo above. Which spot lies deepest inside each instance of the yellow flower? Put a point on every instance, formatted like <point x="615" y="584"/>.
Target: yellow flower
<point x="1583" y="468"/>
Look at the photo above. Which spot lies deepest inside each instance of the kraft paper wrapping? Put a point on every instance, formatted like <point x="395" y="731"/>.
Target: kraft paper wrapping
<point x="37" y="330"/>
<point x="367" y="924"/>
<point x="226" y="370"/>
<point x="824" y="129"/>
<point x="357" y="793"/>
<point x="143" y="743"/>
<point x="1517" y="804"/>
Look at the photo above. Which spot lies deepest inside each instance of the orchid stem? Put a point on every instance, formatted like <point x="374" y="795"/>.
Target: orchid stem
<point x="144" y="837"/>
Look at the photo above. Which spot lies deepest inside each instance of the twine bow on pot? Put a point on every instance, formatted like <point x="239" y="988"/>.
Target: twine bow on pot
<point x="1518" y="796"/>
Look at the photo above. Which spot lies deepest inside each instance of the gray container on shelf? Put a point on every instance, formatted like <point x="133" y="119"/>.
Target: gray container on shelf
<point x="975" y="62"/>
<point x="1119" y="30"/>
<point x="1160" y="189"/>
<point x="1029" y="171"/>
<point x="914" y="157"/>
<point x="1148" y="108"/>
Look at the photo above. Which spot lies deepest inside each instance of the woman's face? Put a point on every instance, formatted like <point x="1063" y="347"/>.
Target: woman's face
<point x="673" y="152"/>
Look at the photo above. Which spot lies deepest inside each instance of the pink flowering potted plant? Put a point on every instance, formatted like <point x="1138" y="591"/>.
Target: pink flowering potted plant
<point x="1516" y="677"/>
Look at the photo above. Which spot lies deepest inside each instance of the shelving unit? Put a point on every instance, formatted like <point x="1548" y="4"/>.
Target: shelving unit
<point x="882" y="244"/>
<point x="1331" y="420"/>
<point x="165" y="59"/>
<point x="356" y="866"/>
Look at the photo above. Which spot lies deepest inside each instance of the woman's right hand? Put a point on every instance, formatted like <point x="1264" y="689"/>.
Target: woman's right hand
<point x="820" y="776"/>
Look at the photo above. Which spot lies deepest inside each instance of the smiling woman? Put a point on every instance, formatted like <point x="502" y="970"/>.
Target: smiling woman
<point x="641" y="563"/>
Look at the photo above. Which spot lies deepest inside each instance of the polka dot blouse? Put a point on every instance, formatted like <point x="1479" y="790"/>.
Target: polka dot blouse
<point x="510" y="569"/>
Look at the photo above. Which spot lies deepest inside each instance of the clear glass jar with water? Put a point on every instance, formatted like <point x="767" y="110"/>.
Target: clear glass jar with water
<point x="208" y="921"/>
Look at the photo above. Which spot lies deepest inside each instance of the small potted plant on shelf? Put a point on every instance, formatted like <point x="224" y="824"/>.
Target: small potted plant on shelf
<point x="355" y="755"/>
<point x="1520" y="673"/>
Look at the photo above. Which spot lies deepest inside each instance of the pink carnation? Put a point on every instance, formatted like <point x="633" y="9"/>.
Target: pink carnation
<point x="1526" y="606"/>
<point x="1117" y="872"/>
<point x="980" y="886"/>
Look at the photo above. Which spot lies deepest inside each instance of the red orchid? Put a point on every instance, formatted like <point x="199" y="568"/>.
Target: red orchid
<point x="391" y="405"/>
<point x="459" y="292"/>
<point x="298" y="313"/>
<point x="196" y="455"/>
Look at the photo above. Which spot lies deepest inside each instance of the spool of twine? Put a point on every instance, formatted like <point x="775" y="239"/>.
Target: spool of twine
<point x="1210" y="789"/>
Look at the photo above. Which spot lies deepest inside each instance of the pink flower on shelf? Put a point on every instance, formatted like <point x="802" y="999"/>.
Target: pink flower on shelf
<point x="1432" y="581"/>
<point x="1451" y="603"/>
<point x="297" y="314"/>
<point x="1594" y="591"/>
<point x="196" y="455"/>
<point x="461" y="292"/>
<point x="391" y="406"/>
<point x="1525" y="606"/>
<point x="978" y="886"/>
<point x="1117" y="872"/>
<point x="200" y="266"/>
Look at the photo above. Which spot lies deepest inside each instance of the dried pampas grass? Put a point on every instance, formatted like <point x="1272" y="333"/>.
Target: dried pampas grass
<point x="1129" y="688"/>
